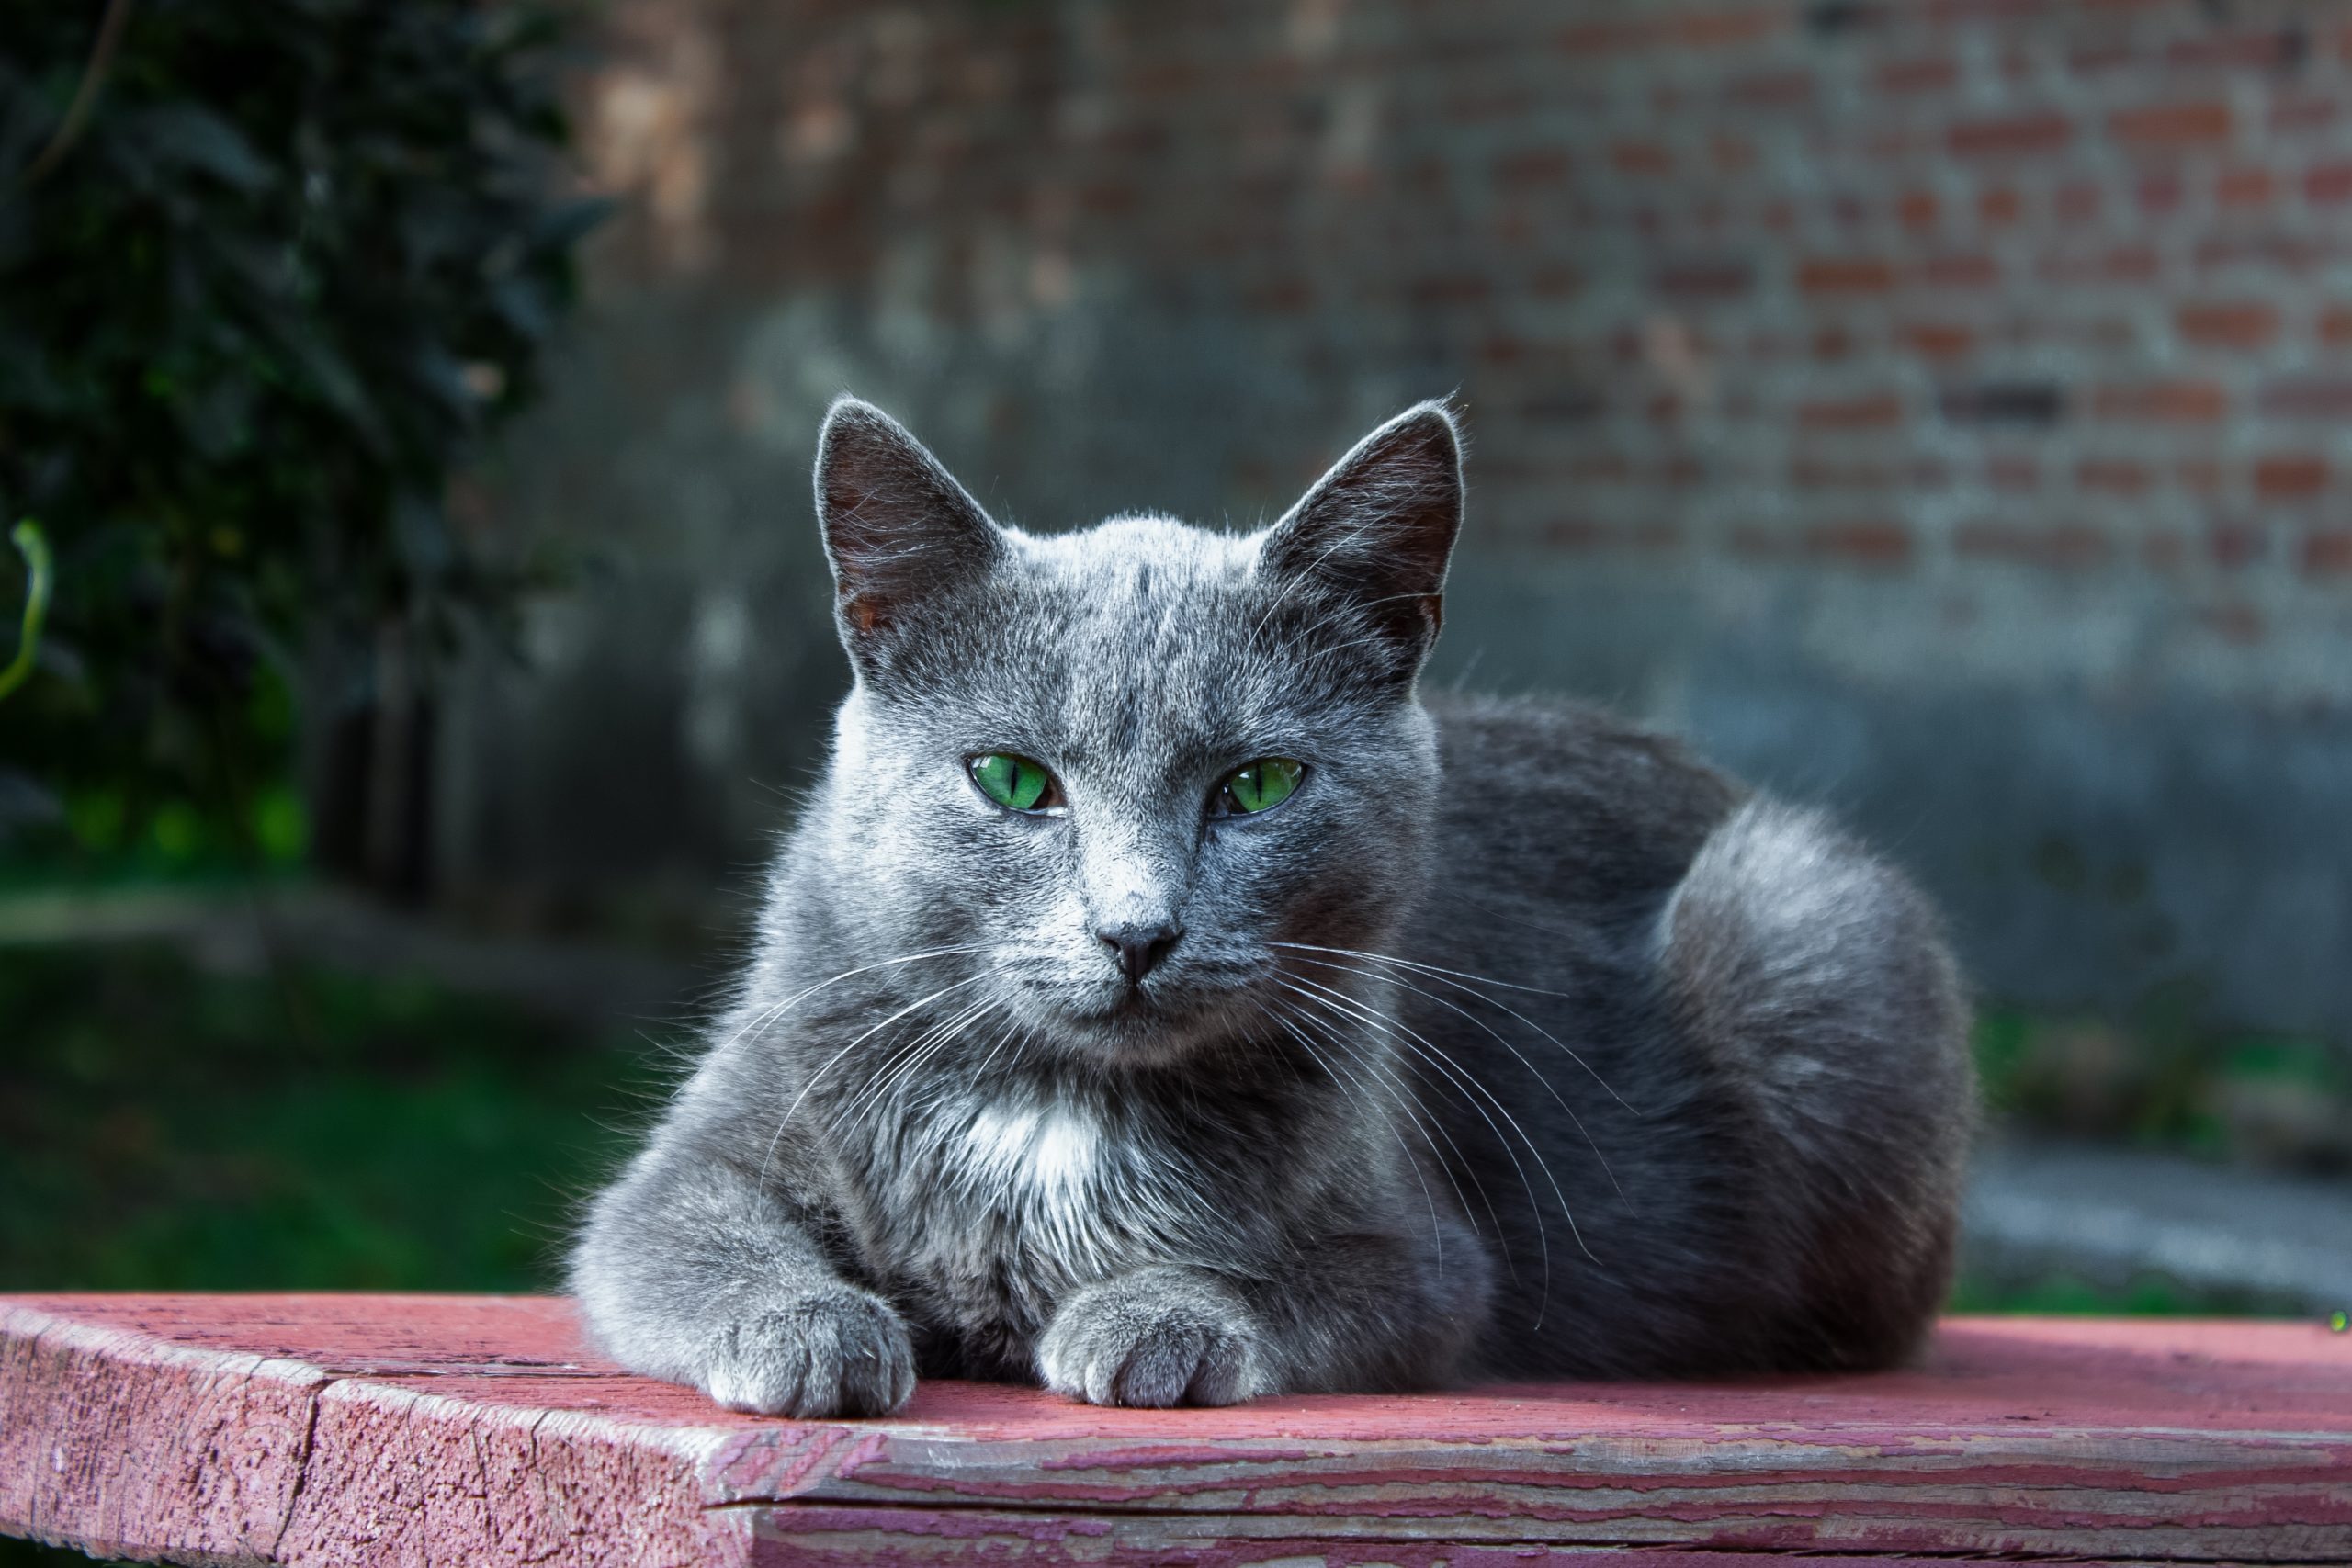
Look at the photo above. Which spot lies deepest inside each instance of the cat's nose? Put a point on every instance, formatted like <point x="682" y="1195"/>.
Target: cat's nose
<point x="1138" y="948"/>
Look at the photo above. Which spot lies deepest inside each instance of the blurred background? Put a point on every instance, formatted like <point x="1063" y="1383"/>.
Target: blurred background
<point x="1936" y="409"/>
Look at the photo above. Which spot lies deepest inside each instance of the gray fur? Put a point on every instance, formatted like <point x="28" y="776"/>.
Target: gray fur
<point x="1516" y="1044"/>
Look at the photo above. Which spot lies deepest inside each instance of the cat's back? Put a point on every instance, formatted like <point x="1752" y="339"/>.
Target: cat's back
<point x="1553" y="812"/>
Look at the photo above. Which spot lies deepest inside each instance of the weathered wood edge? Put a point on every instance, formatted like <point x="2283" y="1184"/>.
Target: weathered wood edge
<point x="805" y="1535"/>
<point x="143" y="1448"/>
<point x="2056" y="1491"/>
<point x="119" y="1444"/>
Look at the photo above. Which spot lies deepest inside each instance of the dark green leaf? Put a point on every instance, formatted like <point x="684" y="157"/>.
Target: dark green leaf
<point x="195" y="138"/>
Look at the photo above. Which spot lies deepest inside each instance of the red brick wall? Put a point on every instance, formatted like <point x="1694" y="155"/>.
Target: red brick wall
<point x="1946" y="286"/>
<point x="1980" y="359"/>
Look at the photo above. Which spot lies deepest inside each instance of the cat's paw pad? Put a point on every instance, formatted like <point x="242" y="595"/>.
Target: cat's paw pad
<point x="839" y="1352"/>
<point x="1154" y="1343"/>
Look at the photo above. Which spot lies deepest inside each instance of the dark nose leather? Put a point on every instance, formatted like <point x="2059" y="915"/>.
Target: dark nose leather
<point x="1137" y="949"/>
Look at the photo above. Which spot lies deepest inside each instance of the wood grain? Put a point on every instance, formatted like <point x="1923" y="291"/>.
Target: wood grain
<point x="435" y="1429"/>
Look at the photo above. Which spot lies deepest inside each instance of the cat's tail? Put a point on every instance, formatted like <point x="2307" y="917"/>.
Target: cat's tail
<point x="1819" y="979"/>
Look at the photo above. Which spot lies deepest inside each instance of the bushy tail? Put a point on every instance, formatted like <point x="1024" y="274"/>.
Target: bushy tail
<point x="1819" y="979"/>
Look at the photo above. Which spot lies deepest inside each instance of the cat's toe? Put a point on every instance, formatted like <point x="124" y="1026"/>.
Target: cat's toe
<point x="1128" y="1344"/>
<point x="834" y="1353"/>
<point x="1183" y="1363"/>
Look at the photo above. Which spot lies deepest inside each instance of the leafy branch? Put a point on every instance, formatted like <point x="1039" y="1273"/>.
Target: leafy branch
<point x="35" y="550"/>
<point x="270" y="277"/>
<point x="86" y="97"/>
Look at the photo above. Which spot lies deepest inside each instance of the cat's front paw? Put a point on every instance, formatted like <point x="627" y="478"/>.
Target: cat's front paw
<point x="1161" y="1337"/>
<point x="832" y="1352"/>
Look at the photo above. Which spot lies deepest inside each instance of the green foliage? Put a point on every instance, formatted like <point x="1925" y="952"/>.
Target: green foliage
<point x="2144" y="1295"/>
<point x="2166" y="1082"/>
<point x="294" y="264"/>
<point x="33" y="546"/>
<point x="167" y="1127"/>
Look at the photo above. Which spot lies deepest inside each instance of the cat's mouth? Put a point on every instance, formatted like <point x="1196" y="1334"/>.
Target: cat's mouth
<point x="1149" y="1020"/>
<point x="1132" y="1002"/>
<point x="1129" y="1006"/>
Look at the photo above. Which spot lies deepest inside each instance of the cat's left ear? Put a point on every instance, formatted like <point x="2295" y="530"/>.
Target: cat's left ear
<point x="1379" y="528"/>
<point x="898" y="528"/>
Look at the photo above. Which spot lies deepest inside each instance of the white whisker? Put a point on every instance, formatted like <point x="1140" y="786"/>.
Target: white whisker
<point x="1456" y="978"/>
<point x="1437" y="1233"/>
<point x="1419" y="1044"/>
<point x="835" y="1059"/>
<point x="1515" y="1054"/>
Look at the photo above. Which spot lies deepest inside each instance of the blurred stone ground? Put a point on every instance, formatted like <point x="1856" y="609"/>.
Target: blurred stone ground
<point x="2115" y="1219"/>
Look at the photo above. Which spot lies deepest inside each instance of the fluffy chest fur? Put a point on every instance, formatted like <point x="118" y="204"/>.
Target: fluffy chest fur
<point x="982" y="1212"/>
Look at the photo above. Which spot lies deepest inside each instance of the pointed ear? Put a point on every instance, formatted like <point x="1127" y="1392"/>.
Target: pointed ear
<point x="1376" y="530"/>
<point x="898" y="528"/>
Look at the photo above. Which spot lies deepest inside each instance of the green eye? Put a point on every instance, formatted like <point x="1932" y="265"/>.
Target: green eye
<point x="1018" y="783"/>
<point x="1264" y="783"/>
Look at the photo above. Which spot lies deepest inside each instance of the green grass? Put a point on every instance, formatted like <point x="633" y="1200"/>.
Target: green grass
<point x="166" y="1128"/>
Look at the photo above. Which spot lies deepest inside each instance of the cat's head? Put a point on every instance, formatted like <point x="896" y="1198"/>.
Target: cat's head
<point x="1115" y="770"/>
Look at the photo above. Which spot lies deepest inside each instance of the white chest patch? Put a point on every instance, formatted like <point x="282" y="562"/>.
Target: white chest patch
<point x="1076" y="1197"/>
<point x="1027" y="1156"/>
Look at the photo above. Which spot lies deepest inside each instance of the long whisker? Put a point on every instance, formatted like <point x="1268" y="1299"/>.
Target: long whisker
<point x="1455" y="978"/>
<point x="1386" y="1071"/>
<point x="835" y="1059"/>
<point x="1460" y="1080"/>
<point x="1437" y="1231"/>
<point x="981" y="1071"/>
<point x="1515" y="1054"/>
<point x="768" y="1015"/>
<point x="940" y="1032"/>
<point x="909" y="1061"/>
<point x="1398" y="1029"/>
<point x="1387" y="1067"/>
<point x="1438" y="1056"/>
<point x="956" y="1030"/>
<point x="1428" y="968"/>
<point x="899" y="1057"/>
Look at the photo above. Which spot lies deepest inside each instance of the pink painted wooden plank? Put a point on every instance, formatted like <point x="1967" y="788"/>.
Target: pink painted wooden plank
<point x="416" y="1429"/>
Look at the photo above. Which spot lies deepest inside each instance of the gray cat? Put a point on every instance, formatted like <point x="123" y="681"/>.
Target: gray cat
<point x="1160" y="1000"/>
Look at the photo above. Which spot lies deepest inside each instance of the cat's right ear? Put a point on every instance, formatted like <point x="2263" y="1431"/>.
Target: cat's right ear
<point x="898" y="528"/>
<point x="1376" y="532"/>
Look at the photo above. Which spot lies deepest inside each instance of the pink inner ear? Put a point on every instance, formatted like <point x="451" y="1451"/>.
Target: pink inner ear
<point x="1382" y="521"/>
<point x="895" y="524"/>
